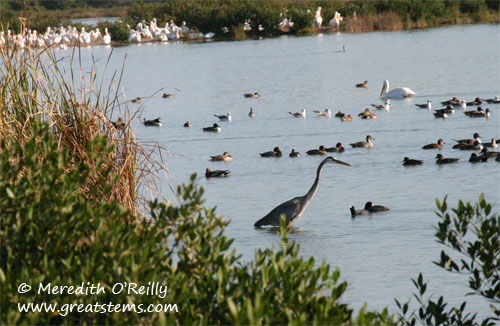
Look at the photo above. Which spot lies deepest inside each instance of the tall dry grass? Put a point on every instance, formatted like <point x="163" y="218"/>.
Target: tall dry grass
<point x="78" y="106"/>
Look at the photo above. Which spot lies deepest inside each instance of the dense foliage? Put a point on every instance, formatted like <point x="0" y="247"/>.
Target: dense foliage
<point x="473" y="232"/>
<point x="51" y="233"/>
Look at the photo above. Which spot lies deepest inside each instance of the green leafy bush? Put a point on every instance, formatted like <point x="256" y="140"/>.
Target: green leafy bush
<point x="118" y="30"/>
<point x="51" y="232"/>
<point x="474" y="233"/>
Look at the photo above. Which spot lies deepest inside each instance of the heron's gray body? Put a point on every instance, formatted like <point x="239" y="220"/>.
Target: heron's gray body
<point x="293" y="208"/>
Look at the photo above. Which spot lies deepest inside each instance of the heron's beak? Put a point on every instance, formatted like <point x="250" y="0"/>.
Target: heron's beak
<point x="340" y="162"/>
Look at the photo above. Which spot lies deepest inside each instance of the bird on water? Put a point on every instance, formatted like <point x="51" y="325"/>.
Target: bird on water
<point x="293" y="208"/>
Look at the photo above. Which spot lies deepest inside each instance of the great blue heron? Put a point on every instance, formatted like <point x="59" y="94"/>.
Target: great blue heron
<point x="293" y="208"/>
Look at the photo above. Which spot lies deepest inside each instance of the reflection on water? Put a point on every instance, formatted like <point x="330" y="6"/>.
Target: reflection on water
<point x="377" y="254"/>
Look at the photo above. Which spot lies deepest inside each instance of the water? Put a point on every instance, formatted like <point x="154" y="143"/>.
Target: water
<point x="378" y="254"/>
<point x="93" y="21"/>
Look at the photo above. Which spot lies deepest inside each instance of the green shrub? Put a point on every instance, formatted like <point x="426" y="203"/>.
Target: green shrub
<point x="118" y="30"/>
<point x="473" y="232"/>
<point x="51" y="233"/>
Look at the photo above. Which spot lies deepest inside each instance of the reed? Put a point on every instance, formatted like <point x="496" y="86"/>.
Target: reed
<point x="78" y="106"/>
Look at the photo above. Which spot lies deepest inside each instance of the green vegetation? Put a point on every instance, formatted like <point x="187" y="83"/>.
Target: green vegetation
<point x="213" y="15"/>
<point x="51" y="232"/>
<point x="473" y="232"/>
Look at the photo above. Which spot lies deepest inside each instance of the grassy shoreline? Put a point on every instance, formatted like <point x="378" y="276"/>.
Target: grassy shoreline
<point x="214" y="15"/>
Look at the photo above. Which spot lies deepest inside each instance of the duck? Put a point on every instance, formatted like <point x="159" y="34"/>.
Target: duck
<point x="347" y="118"/>
<point x="486" y="152"/>
<point x="254" y="95"/>
<point x="216" y="173"/>
<point x="474" y="158"/>
<point x="339" y="114"/>
<point x="276" y="152"/>
<point x="495" y="100"/>
<point x="408" y="161"/>
<point x="294" y="153"/>
<point x="224" y="157"/>
<point x="338" y="148"/>
<point x="397" y="93"/>
<point x="301" y="114"/>
<point x="214" y="128"/>
<point x="152" y="123"/>
<point x="445" y="160"/>
<point x="375" y="208"/>
<point x="440" y="114"/>
<point x="492" y="144"/>
<point x="224" y="117"/>
<point x="363" y="85"/>
<point x="477" y="101"/>
<point x="251" y="114"/>
<point x="355" y="212"/>
<point x="187" y="124"/>
<point x="136" y="100"/>
<point x="365" y="112"/>
<point x="368" y="143"/>
<point x="438" y="145"/>
<point x="470" y="147"/>
<point x="454" y="100"/>
<point x="427" y="106"/>
<point x="320" y="151"/>
<point x="448" y="109"/>
<point x="167" y="95"/>
<point x="119" y="123"/>
<point x="369" y="116"/>
<point x="326" y="113"/>
<point x="475" y="137"/>
<point x="479" y="113"/>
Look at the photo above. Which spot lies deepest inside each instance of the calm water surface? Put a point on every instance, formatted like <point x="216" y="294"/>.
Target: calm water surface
<point x="378" y="254"/>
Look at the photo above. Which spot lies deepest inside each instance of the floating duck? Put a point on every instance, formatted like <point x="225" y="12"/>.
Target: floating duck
<point x="294" y="153"/>
<point x="339" y="114"/>
<point x="448" y="109"/>
<point x="119" y="123"/>
<point x="454" y="100"/>
<point x="408" y="161"/>
<point x="440" y="114"/>
<point x="479" y="113"/>
<point x="216" y="173"/>
<point x="254" y="95"/>
<point x="224" y="157"/>
<point x="187" y="124"/>
<point x="320" y="151"/>
<point x="477" y="101"/>
<point x="375" y="208"/>
<point x="152" y="123"/>
<point x="347" y="118"/>
<point x="475" y="137"/>
<point x="438" y="145"/>
<point x="474" y="158"/>
<point x="338" y="148"/>
<point x="167" y="95"/>
<point x="355" y="212"/>
<point x="492" y="144"/>
<point x="367" y="144"/>
<point x="363" y="85"/>
<point x="276" y="152"/>
<point x="214" y="128"/>
<point x="495" y="100"/>
<point x="486" y="152"/>
<point x="445" y="160"/>
<point x="301" y="114"/>
<point x="251" y="114"/>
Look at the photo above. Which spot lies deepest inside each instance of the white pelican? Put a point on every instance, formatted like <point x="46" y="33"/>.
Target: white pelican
<point x="400" y="92"/>
<point x="107" y="38"/>
<point x="318" y="20"/>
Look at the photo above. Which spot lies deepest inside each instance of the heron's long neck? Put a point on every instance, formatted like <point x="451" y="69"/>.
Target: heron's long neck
<point x="314" y="187"/>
